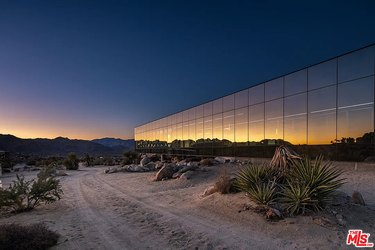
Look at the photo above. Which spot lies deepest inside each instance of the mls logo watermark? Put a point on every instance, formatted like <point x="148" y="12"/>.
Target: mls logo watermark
<point x="359" y="239"/>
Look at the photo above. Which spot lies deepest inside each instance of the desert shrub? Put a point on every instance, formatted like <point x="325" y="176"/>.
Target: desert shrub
<point x="297" y="184"/>
<point x="130" y="157"/>
<point x="71" y="162"/>
<point x="88" y="160"/>
<point x="18" y="237"/>
<point x="259" y="182"/>
<point x="207" y="162"/>
<point x="225" y="184"/>
<point x="297" y="198"/>
<point x="24" y="195"/>
<point x="313" y="182"/>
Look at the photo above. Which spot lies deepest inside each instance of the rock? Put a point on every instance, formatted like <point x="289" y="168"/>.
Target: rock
<point x="187" y="168"/>
<point x="187" y="175"/>
<point x="140" y="169"/>
<point x="193" y="164"/>
<point x="207" y="162"/>
<point x="145" y="160"/>
<point x="176" y="175"/>
<point x="273" y="214"/>
<point x="165" y="172"/>
<point x="220" y="160"/>
<point x="357" y="198"/>
<point x="110" y="171"/>
<point x="159" y="165"/>
<point x="210" y="190"/>
<point x="181" y="163"/>
<point x="151" y="166"/>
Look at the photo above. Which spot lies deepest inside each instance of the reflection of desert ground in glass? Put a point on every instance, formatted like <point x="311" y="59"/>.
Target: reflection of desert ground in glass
<point x="129" y="211"/>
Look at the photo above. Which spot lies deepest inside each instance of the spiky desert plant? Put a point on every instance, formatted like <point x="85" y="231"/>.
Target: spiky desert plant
<point x="259" y="182"/>
<point x="283" y="159"/>
<point x="310" y="185"/>
<point x="297" y="198"/>
<point x="321" y="177"/>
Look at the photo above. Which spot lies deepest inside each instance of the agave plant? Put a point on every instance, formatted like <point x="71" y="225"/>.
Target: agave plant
<point x="259" y="182"/>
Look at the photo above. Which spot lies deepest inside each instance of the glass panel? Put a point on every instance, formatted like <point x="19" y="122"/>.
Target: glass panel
<point x="322" y="116"/>
<point x="242" y="98"/>
<point x="191" y="114"/>
<point x="179" y="117"/>
<point x="295" y="119"/>
<point x="274" y="119"/>
<point x="174" y="132"/>
<point x="218" y="106"/>
<point x="228" y="126"/>
<point x="185" y="131"/>
<point x="241" y="124"/>
<point x="355" y="109"/>
<point x="199" y="129"/>
<point x="208" y="127"/>
<point x="192" y="130"/>
<point x="323" y="74"/>
<point x="199" y="111"/>
<point x="179" y="131"/>
<point x="185" y="115"/>
<point x="207" y="109"/>
<point x="274" y="89"/>
<point x="169" y="135"/>
<point x="357" y="64"/>
<point x="165" y="134"/>
<point x="256" y="123"/>
<point x="296" y="82"/>
<point x="228" y="102"/>
<point x="256" y="94"/>
<point x="217" y="124"/>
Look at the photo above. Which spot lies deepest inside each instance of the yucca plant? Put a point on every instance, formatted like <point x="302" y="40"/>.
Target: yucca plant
<point x="322" y="178"/>
<point x="297" y="198"/>
<point x="259" y="182"/>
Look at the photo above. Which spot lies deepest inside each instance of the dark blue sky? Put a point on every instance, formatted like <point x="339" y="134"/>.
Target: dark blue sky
<point x="98" y="68"/>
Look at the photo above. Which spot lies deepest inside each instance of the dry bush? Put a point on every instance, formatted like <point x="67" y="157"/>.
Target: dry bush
<point x="224" y="184"/>
<point x="207" y="162"/>
<point x="18" y="237"/>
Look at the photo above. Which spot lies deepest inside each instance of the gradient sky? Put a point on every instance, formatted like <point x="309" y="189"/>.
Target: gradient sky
<point x="99" y="68"/>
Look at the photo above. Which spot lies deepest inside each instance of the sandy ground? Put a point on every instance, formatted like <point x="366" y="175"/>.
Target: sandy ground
<point x="129" y="211"/>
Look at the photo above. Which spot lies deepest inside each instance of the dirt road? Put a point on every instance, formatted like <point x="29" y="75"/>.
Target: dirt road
<point x="129" y="211"/>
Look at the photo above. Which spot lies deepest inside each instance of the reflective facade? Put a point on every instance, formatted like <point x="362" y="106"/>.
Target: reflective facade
<point x="326" y="108"/>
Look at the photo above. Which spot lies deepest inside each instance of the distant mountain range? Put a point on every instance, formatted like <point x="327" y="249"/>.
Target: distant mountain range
<point x="61" y="146"/>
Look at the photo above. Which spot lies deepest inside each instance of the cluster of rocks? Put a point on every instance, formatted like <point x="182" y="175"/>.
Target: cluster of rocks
<point x="171" y="168"/>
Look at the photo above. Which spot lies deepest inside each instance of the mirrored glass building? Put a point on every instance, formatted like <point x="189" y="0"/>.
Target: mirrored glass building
<point x="327" y="108"/>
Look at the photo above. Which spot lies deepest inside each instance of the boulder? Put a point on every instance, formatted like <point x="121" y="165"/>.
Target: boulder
<point x="210" y="190"/>
<point x="159" y="165"/>
<point x="181" y="163"/>
<point x="176" y="175"/>
<point x="165" y="172"/>
<point x="145" y="160"/>
<point x="151" y="166"/>
<point x="140" y="169"/>
<point x="220" y="160"/>
<point x="187" y="168"/>
<point x="187" y="175"/>
<point x="357" y="198"/>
